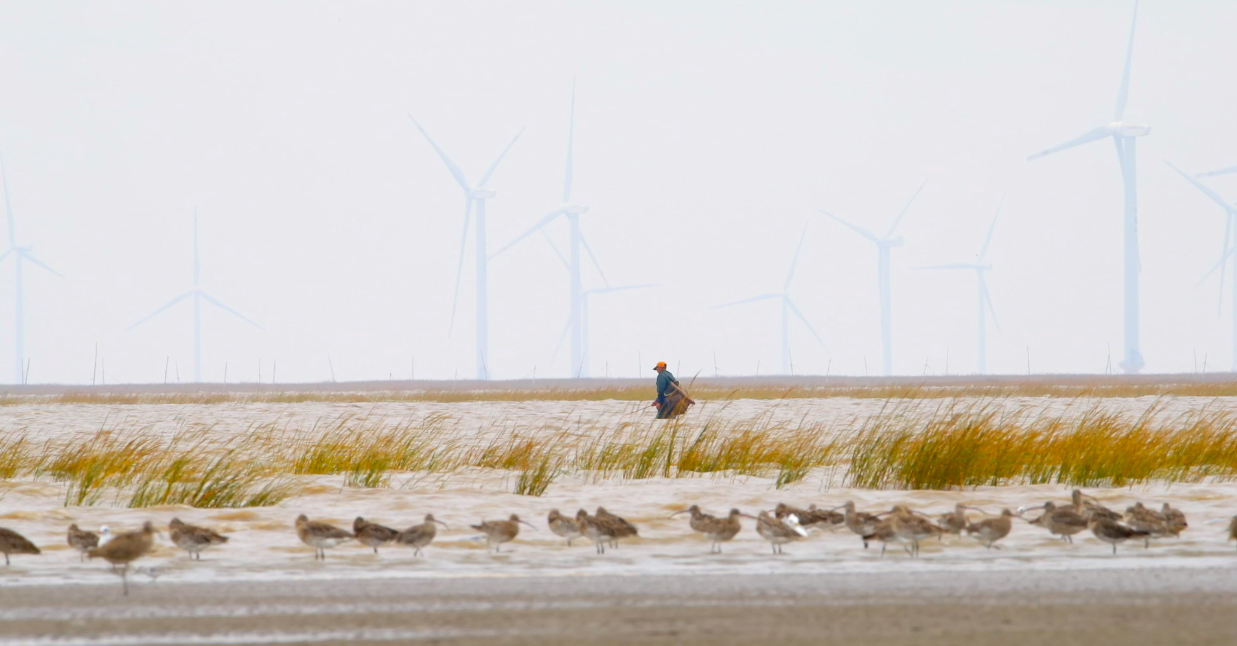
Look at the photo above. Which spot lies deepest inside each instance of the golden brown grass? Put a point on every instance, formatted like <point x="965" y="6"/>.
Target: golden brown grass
<point x="908" y="444"/>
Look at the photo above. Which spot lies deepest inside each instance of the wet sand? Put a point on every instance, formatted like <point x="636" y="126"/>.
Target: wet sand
<point x="1098" y="606"/>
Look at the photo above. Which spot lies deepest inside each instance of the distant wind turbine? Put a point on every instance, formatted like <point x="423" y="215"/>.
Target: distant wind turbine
<point x="575" y="325"/>
<point x="1222" y="171"/>
<point x="788" y="308"/>
<point x="198" y="296"/>
<point x="479" y="194"/>
<point x="1124" y="134"/>
<point x="1230" y="219"/>
<point x="985" y="300"/>
<point x="582" y="369"/>
<point x="883" y="245"/>
<point x="20" y="254"/>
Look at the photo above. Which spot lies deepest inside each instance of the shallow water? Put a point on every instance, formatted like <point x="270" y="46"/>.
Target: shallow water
<point x="264" y="545"/>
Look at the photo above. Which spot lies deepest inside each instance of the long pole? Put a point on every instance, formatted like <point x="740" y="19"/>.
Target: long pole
<point x="785" y="336"/>
<point x="1133" y="362"/>
<point x="983" y="321"/>
<point x="19" y="325"/>
<point x="483" y="333"/>
<point x="197" y="306"/>
<point x="579" y="360"/>
<point x="886" y="305"/>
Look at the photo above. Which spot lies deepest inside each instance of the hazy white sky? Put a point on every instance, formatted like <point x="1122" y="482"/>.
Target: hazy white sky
<point x="707" y="135"/>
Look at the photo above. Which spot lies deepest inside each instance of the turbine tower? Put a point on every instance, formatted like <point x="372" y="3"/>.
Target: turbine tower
<point x="985" y="300"/>
<point x="883" y="246"/>
<point x="198" y="295"/>
<point x="788" y="308"/>
<point x="20" y="254"/>
<point x="1230" y="219"/>
<point x="1124" y="134"/>
<point x="479" y="194"/>
<point x="575" y="286"/>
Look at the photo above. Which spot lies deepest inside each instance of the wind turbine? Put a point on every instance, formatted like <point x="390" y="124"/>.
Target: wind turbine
<point x="572" y="212"/>
<point x="1230" y="219"/>
<point x="1222" y="171"/>
<point x="479" y="194"/>
<point x="883" y="245"/>
<point x="1124" y="134"/>
<point x="198" y="295"/>
<point x="20" y="254"/>
<point x="985" y="300"/>
<point x="788" y="308"/>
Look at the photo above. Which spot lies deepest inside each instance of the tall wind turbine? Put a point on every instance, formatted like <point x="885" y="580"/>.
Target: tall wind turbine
<point x="1230" y="219"/>
<point x="198" y="296"/>
<point x="788" y="308"/>
<point x="1124" y="134"/>
<point x="575" y="286"/>
<point x="883" y="245"/>
<point x="20" y="254"/>
<point x="479" y="194"/>
<point x="985" y="300"/>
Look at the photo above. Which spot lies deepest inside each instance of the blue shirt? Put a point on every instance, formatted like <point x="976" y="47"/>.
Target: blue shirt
<point x="664" y="379"/>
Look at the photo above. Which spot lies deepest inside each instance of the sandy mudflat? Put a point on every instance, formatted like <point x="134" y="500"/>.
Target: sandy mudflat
<point x="1159" y="606"/>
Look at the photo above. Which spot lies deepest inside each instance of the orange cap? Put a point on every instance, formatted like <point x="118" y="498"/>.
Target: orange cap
<point x="660" y="364"/>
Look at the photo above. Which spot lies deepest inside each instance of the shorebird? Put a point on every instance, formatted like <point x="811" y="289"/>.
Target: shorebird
<point x="105" y="535"/>
<point x="779" y="531"/>
<point x="859" y="522"/>
<point x="126" y="548"/>
<point x="1174" y="520"/>
<point x="82" y="540"/>
<point x="1087" y="506"/>
<point x="717" y="530"/>
<point x="1146" y="520"/>
<point x="595" y="530"/>
<point x="320" y="535"/>
<point x="13" y="543"/>
<point x="811" y="517"/>
<point x="1059" y="521"/>
<point x="563" y="526"/>
<point x="992" y="530"/>
<point x="372" y="534"/>
<point x="498" y="532"/>
<point x="955" y="521"/>
<point x="1112" y="532"/>
<point x="912" y="527"/>
<point x="882" y="530"/>
<point x="618" y="527"/>
<point x="418" y="536"/>
<point x="194" y="539"/>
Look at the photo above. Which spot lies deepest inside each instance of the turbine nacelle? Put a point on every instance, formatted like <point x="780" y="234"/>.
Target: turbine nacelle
<point x="573" y="209"/>
<point x="1129" y="129"/>
<point x="894" y="241"/>
<point x="482" y="193"/>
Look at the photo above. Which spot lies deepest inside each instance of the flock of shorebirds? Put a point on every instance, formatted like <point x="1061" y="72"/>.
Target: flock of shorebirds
<point x="900" y="525"/>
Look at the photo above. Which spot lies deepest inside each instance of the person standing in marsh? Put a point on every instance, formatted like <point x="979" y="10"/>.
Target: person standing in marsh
<point x="671" y="400"/>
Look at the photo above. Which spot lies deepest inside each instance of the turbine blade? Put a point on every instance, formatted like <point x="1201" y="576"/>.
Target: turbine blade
<point x="561" y="257"/>
<point x="8" y="208"/>
<point x="455" y="170"/>
<point x="957" y="265"/>
<point x="905" y="208"/>
<point x="5" y="254"/>
<point x="795" y="309"/>
<point x="1124" y="93"/>
<point x="1087" y="137"/>
<point x="621" y="288"/>
<point x="486" y="177"/>
<point x="589" y="251"/>
<point x="459" y="266"/>
<point x="160" y="310"/>
<point x="1222" y="171"/>
<point x="559" y="345"/>
<point x="854" y="227"/>
<point x="983" y="251"/>
<point x="794" y="262"/>
<point x="29" y="257"/>
<point x="214" y="301"/>
<point x="549" y="217"/>
<point x="571" y="134"/>
<point x="1215" y="197"/>
<point x="762" y="297"/>
<point x="1219" y="263"/>
<point x="983" y="286"/>
<point x="1228" y="225"/>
